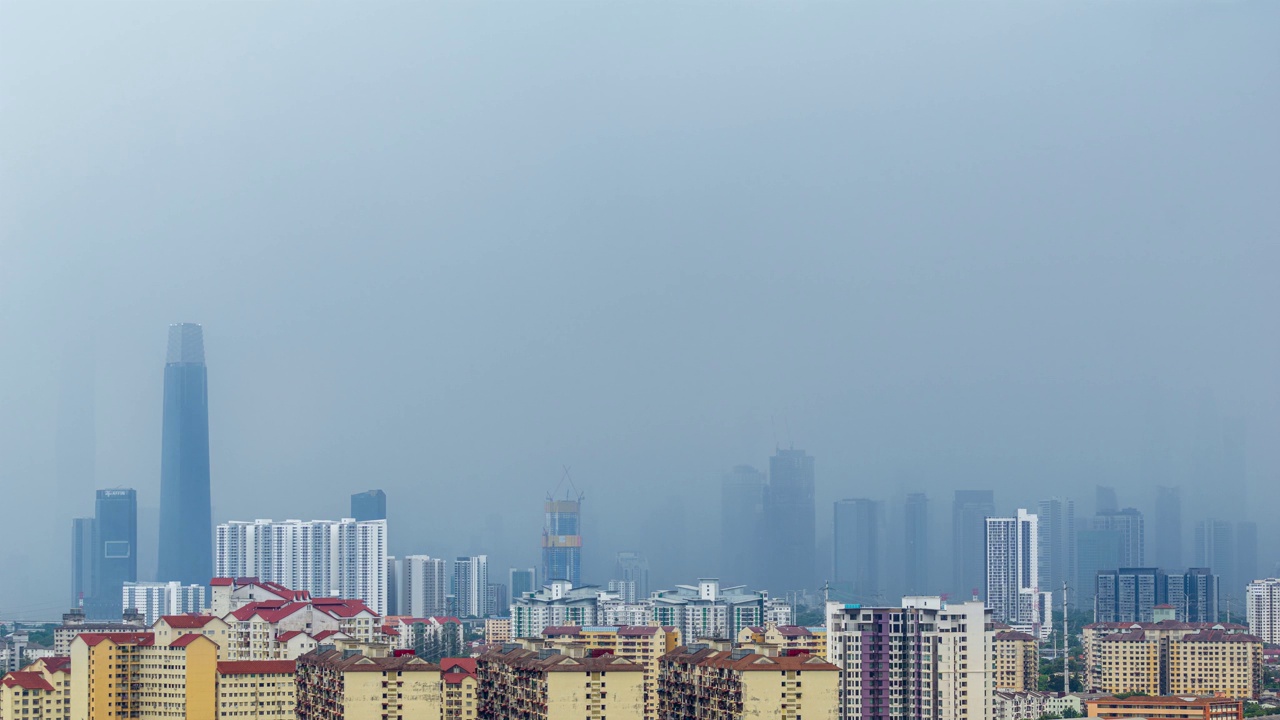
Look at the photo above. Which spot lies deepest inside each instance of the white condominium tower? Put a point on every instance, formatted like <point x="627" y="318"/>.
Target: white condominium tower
<point x="426" y="586"/>
<point x="328" y="558"/>
<point x="1264" y="609"/>
<point x="1013" y="570"/>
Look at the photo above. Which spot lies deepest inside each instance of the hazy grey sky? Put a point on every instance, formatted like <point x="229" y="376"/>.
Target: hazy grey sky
<point x="445" y="249"/>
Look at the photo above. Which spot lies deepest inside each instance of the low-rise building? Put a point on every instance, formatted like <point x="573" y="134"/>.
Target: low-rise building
<point x="336" y="685"/>
<point x="284" y="630"/>
<point x="74" y="623"/>
<point x="40" y="691"/>
<point x="1017" y="661"/>
<point x="260" y="689"/>
<point x="697" y="683"/>
<point x="1169" y="707"/>
<point x="519" y="684"/>
<point x="773" y="640"/>
<point x="1021" y="705"/>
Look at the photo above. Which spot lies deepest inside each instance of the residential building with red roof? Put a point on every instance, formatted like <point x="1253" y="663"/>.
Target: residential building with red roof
<point x="337" y="685"/>
<point x="641" y="644"/>
<point x="131" y="675"/>
<point x="774" y="639"/>
<point x="1166" y="708"/>
<point x="1133" y="657"/>
<point x="287" y="629"/>
<point x="460" y="688"/>
<point x="698" y="683"/>
<point x="261" y="689"/>
<point x="1017" y="661"/>
<point x="546" y="685"/>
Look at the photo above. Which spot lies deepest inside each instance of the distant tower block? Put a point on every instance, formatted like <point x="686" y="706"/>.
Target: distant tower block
<point x="562" y="536"/>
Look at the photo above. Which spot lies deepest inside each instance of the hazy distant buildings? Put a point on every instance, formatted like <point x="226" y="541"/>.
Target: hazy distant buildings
<point x="1105" y="499"/>
<point x="1013" y="570"/>
<point x="326" y="558"/>
<point x="81" y="560"/>
<point x="1096" y="551"/>
<point x="1246" y="560"/>
<point x="186" y="518"/>
<point x="789" y="531"/>
<point x="471" y="585"/>
<point x="1231" y="549"/>
<point x="1129" y="523"/>
<point x="969" y="512"/>
<point x="395" y="586"/>
<point x="521" y="581"/>
<point x="857" y="548"/>
<point x="1057" y="543"/>
<point x="562" y="540"/>
<point x="426" y="586"/>
<point x="630" y="576"/>
<point x="741" y="522"/>
<point x="1133" y="595"/>
<point x="916" y="551"/>
<point x="369" y="505"/>
<point x="707" y="610"/>
<point x="1168" y="527"/>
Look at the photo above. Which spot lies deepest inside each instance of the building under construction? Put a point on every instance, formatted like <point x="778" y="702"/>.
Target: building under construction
<point x="562" y="537"/>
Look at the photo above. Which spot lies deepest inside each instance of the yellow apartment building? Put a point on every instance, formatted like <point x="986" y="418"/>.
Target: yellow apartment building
<point x="547" y="685"/>
<point x="1165" y="708"/>
<point x="1017" y="661"/>
<point x="641" y="644"/>
<point x="259" y="689"/>
<point x="705" y="684"/>
<point x="460" y="691"/>
<point x="1213" y="662"/>
<point x="40" y="690"/>
<point x="773" y="640"/>
<point x="338" y="685"/>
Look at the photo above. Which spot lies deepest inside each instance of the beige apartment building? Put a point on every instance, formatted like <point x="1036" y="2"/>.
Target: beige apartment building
<point x="257" y="689"/>
<point x="1017" y="661"/>
<point x="519" y="684"/>
<point x="773" y="640"/>
<point x="1181" y="662"/>
<point x="1160" y="632"/>
<point x="460" y="691"/>
<point x="1165" y="708"/>
<point x="41" y="690"/>
<point x="641" y="644"/>
<point x="338" y="685"/>
<point x="698" y="683"/>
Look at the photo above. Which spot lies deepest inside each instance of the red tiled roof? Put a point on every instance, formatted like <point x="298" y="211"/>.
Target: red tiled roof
<point x="562" y="630"/>
<point x="1014" y="635"/>
<point x="794" y="631"/>
<point x="747" y="661"/>
<point x="187" y="621"/>
<point x="138" y="638"/>
<point x="257" y="667"/>
<point x="27" y="681"/>
<point x="326" y="634"/>
<point x="221" y="582"/>
<point x="637" y="631"/>
<point x="288" y="635"/>
<point x="465" y="665"/>
<point x="58" y="663"/>
<point x="388" y="630"/>
<point x="187" y="639"/>
<point x="1220" y="636"/>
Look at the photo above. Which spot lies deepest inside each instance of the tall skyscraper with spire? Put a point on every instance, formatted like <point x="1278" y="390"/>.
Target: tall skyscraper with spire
<point x="186" y="516"/>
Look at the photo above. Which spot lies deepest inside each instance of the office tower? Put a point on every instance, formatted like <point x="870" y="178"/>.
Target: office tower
<point x="562" y="540"/>
<point x="632" y="569"/>
<point x="81" y="560"/>
<point x="1013" y="570"/>
<point x="926" y="660"/>
<point x="916" y="544"/>
<point x="790" y="533"/>
<point x="1129" y="524"/>
<point x="326" y="558"/>
<point x="857" y="548"/>
<point x="1168" y="529"/>
<point x="1057" y="543"/>
<point x="1129" y="594"/>
<point x="426" y="582"/>
<point x="522" y="581"/>
<point x="471" y="585"/>
<point x="395" y="590"/>
<point x="496" y="600"/>
<point x="741" y="523"/>
<point x="369" y="505"/>
<point x="1215" y="548"/>
<point x="969" y="513"/>
<point x="1105" y="499"/>
<point x="186" y="519"/>
<point x="1096" y="551"/>
<point x="115" y="543"/>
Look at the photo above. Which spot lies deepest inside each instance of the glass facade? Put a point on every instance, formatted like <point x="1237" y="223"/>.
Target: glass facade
<point x="115" y="552"/>
<point x="186" y="524"/>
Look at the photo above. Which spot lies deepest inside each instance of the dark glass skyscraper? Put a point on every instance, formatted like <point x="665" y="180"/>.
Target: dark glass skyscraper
<point x="81" y="561"/>
<point x="115" y="551"/>
<point x="186" y="518"/>
<point x="916" y="550"/>
<point x="790" y="531"/>
<point x="369" y="505"/>
<point x="1168" y="529"/>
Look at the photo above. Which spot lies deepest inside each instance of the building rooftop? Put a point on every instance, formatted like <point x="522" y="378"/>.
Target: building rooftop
<point x="547" y="661"/>
<point x="187" y="621"/>
<point x="257" y="667"/>
<point x="742" y="660"/>
<point x="26" y="681"/>
<point x="355" y="662"/>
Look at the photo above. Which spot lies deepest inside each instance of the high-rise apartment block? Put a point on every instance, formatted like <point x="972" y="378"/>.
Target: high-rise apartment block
<point x="1017" y="657"/>
<point x="151" y="600"/>
<point x="186" y="516"/>
<point x="426" y="583"/>
<point x="338" y="685"/>
<point x="518" y="683"/>
<point x="1013" y="571"/>
<point x="1264" y="609"/>
<point x="1200" y="663"/>
<point x="924" y="660"/>
<point x="707" y="610"/>
<point x="1231" y="550"/>
<point x="1129" y="524"/>
<point x="969" y="513"/>
<point x="1057" y="543"/>
<point x="1133" y="594"/>
<point x="562" y="540"/>
<point x="741" y="523"/>
<point x="521" y="581"/>
<point x="369" y="505"/>
<point x="915" y="549"/>
<point x="857" y="548"/>
<point x="631" y="575"/>
<point x="1133" y="656"/>
<point x="642" y="645"/>
<point x="790" y="531"/>
<point x="327" y="558"/>
<point x="471" y="585"/>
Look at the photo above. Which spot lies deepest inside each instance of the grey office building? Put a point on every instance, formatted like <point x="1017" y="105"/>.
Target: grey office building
<point x="916" y="550"/>
<point x="857" y="549"/>
<point x="115" y="551"/>
<point x="1132" y="594"/>
<point x="1167" y="540"/>
<point x="790" y="530"/>
<point x="369" y="505"/>
<point x="969" y="513"/>
<point x="741" y="525"/>
<point x="1057" y="544"/>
